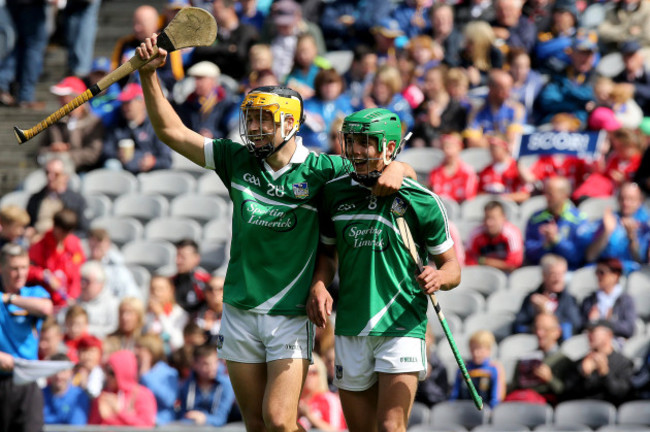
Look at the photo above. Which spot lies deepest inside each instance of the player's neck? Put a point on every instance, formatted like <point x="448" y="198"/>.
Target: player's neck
<point x="282" y="157"/>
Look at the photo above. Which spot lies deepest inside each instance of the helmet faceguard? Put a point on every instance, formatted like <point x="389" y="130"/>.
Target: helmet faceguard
<point x="267" y="109"/>
<point x="360" y="132"/>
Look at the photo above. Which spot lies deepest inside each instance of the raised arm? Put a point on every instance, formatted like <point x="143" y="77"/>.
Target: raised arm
<point x="168" y="125"/>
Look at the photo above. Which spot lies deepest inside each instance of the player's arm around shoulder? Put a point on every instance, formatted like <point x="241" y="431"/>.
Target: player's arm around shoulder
<point x="168" y="125"/>
<point x="391" y="180"/>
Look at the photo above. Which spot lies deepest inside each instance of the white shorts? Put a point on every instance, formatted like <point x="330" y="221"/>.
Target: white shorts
<point x="249" y="337"/>
<point x="359" y="358"/>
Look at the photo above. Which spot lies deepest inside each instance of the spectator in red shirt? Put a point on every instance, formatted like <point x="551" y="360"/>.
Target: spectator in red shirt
<point x="502" y="176"/>
<point x="497" y="243"/>
<point x="453" y="179"/>
<point x="57" y="258"/>
<point x="319" y="408"/>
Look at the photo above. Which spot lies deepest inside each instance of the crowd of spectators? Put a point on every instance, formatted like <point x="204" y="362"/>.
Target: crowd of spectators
<point x="462" y="74"/>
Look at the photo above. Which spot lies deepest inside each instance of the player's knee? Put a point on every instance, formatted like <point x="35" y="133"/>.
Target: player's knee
<point x="391" y="425"/>
<point x="279" y="422"/>
<point x="255" y="425"/>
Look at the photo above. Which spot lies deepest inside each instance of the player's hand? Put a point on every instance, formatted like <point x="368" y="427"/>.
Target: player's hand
<point x="198" y="417"/>
<point x="146" y="51"/>
<point x="6" y="362"/>
<point x="390" y="181"/>
<point x="319" y="305"/>
<point x="430" y="280"/>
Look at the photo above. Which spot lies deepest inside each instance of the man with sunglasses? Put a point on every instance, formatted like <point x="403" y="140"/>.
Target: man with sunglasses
<point x="22" y="313"/>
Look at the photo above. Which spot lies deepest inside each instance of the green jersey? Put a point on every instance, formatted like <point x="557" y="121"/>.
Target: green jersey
<point x="274" y="225"/>
<point x="379" y="295"/>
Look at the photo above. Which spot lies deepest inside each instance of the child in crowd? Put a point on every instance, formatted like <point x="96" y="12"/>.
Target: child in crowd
<point x="165" y="317"/>
<point x="207" y="397"/>
<point x="487" y="376"/>
<point x="51" y="340"/>
<point x="88" y="373"/>
<point x="13" y="224"/>
<point x="301" y="77"/>
<point x="183" y="358"/>
<point x="76" y="327"/>
<point x="63" y="402"/>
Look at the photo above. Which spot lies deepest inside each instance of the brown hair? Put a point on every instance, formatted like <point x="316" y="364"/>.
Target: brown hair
<point x="74" y="312"/>
<point x="326" y="76"/>
<point x="154" y="344"/>
<point x="13" y="214"/>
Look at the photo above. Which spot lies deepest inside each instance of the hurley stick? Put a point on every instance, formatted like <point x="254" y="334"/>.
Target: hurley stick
<point x="409" y="244"/>
<point x="190" y="27"/>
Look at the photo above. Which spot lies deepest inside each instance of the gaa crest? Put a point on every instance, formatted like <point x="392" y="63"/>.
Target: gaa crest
<point x="399" y="207"/>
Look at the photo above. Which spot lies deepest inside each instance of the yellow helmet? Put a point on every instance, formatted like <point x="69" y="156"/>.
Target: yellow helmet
<point x="280" y="102"/>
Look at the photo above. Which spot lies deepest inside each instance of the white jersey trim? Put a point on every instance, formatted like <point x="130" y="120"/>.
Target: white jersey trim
<point x="367" y="217"/>
<point x="374" y="320"/>
<point x="330" y="241"/>
<point x="298" y="157"/>
<point x="444" y="247"/>
<point x="208" y="153"/>
<point x="270" y="303"/>
<point x="269" y="201"/>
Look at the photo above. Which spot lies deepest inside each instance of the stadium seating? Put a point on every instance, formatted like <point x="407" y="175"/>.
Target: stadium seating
<point x="483" y="279"/>
<point x="499" y="323"/>
<point x="121" y="230"/>
<point x="594" y="208"/>
<point x="593" y="413"/>
<point x="504" y="301"/>
<point x="525" y="279"/>
<point x="563" y="428"/>
<point x="517" y="345"/>
<point x="214" y="254"/>
<point x="151" y="254"/>
<point x="423" y="160"/>
<point x="420" y="414"/>
<point x="576" y="347"/>
<point x="521" y="413"/>
<point x="200" y="208"/>
<point x="37" y="179"/>
<point x="108" y="182"/>
<point x="473" y="209"/>
<point x="210" y="184"/>
<point x="634" y="413"/>
<point x="462" y="412"/>
<point x="168" y="183"/>
<point x="453" y="321"/>
<point x="462" y="303"/>
<point x="18" y="198"/>
<point x="140" y="206"/>
<point x="476" y="157"/>
<point x="452" y="208"/>
<point x="501" y="428"/>
<point x="172" y="229"/>
<point x="217" y="229"/>
<point x="97" y="205"/>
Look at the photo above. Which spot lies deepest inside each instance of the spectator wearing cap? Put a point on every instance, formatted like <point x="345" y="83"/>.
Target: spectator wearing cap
<point x="636" y="73"/>
<point x="88" y="373"/>
<point x="609" y="302"/>
<point x="77" y="136"/>
<point x="571" y="90"/>
<point x="79" y="19"/>
<point x="413" y="17"/>
<point x="560" y="228"/>
<point x="387" y="32"/>
<point x="206" y="108"/>
<point x="627" y="20"/>
<point x="105" y="105"/>
<point x="551" y="50"/>
<point x="512" y="29"/>
<point x="286" y="23"/>
<point x="346" y="23"/>
<point x="623" y="234"/>
<point x="498" y="114"/>
<point x="234" y="39"/>
<point x="604" y="373"/>
<point x="147" y="151"/>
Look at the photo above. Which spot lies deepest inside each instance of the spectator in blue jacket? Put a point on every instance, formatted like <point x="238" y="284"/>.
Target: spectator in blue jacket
<point x="413" y="17"/>
<point x="571" y="90"/>
<point x="560" y="228"/>
<point x="553" y="47"/>
<point x="623" y="234"/>
<point x="207" y="397"/>
<point x="147" y="152"/>
<point x="328" y="104"/>
<point x="347" y="23"/>
<point x="156" y="375"/>
<point x="64" y="403"/>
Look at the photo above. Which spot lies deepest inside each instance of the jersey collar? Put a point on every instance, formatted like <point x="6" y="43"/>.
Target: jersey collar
<point x="299" y="156"/>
